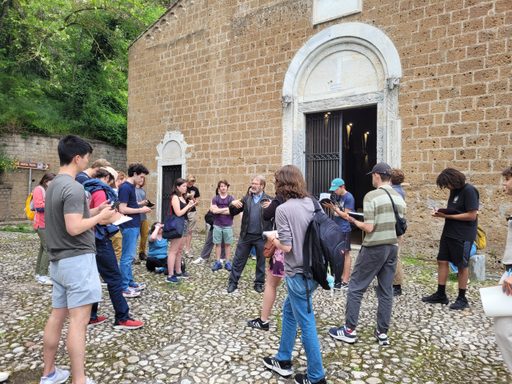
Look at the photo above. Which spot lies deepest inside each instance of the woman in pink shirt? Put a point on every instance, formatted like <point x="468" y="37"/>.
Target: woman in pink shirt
<point x="38" y="196"/>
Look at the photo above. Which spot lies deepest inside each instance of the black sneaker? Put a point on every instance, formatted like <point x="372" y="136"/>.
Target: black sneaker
<point x="397" y="290"/>
<point x="381" y="338"/>
<point x="258" y="324"/>
<point x="303" y="379"/>
<point x="282" y="368"/>
<point x="337" y="286"/>
<point x="436" y="298"/>
<point x="142" y="256"/>
<point x="459" y="304"/>
<point x="231" y="288"/>
<point x="259" y="288"/>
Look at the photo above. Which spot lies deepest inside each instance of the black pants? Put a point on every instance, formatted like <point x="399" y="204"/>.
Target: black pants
<point x="109" y="272"/>
<point x="208" y="246"/>
<point x="153" y="262"/>
<point x="242" y="252"/>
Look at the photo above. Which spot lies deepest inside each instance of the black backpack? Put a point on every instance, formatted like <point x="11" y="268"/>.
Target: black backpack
<point x="323" y="242"/>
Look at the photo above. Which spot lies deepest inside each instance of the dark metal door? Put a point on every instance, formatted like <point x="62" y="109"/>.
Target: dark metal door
<point x="169" y="174"/>
<point x="323" y="150"/>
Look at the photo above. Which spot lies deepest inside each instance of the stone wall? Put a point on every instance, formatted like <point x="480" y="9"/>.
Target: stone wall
<point x="14" y="186"/>
<point x="214" y="70"/>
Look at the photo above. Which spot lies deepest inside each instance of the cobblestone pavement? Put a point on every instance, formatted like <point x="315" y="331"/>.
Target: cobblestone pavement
<point x="195" y="332"/>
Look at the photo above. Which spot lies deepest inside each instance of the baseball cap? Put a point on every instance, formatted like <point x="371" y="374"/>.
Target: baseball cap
<point x="335" y="184"/>
<point x="381" y="168"/>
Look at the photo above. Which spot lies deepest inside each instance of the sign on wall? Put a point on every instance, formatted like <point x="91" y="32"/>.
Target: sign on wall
<point x="325" y="10"/>
<point x="32" y="165"/>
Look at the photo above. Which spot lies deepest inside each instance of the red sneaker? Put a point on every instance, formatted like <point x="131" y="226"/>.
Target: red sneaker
<point x="97" y="320"/>
<point x="128" y="324"/>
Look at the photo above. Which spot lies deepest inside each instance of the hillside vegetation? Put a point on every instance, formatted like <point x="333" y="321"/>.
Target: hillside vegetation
<point x="63" y="64"/>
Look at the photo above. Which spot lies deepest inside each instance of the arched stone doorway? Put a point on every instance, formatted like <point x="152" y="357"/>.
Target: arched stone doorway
<point x="171" y="164"/>
<point x="344" y="66"/>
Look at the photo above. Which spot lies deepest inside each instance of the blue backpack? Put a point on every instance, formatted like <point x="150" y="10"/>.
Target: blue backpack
<point x="102" y="232"/>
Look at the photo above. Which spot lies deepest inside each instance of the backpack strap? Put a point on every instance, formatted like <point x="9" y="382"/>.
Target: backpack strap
<point x="318" y="208"/>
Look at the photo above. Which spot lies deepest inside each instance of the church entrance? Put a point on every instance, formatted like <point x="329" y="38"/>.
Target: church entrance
<point x="342" y="144"/>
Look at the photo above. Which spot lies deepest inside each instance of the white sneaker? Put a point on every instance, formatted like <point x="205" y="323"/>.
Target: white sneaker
<point x="130" y="292"/>
<point x="45" y="280"/>
<point x="59" y="376"/>
<point x="89" y="381"/>
<point x="199" y="260"/>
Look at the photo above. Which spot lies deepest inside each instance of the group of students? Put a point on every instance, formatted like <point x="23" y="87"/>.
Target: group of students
<point x="79" y="227"/>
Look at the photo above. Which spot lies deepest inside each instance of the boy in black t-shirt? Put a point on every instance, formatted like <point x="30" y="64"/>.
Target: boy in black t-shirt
<point x="458" y="235"/>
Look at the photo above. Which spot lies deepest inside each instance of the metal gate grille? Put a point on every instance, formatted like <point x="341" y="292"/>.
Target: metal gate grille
<point x="170" y="173"/>
<point x="323" y="150"/>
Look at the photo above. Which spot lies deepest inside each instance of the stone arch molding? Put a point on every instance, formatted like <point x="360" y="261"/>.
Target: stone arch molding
<point x="170" y="151"/>
<point x="344" y="66"/>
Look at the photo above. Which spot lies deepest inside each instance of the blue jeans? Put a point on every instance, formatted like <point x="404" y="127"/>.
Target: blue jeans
<point x="130" y="236"/>
<point x="295" y="312"/>
<point x="109" y="272"/>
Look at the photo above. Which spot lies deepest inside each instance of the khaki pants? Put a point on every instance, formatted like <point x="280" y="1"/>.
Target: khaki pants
<point x="503" y="330"/>
<point x="143" y="239"/>
<point x="399" y="274"/>
<point x="117" y="244"/>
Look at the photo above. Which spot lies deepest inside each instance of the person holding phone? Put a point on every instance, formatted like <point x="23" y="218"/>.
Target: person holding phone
<point x="459" y="233"/>
<point x="144" y="224"/>
<point x="100" y="188"/>
<point x="342" y="201"/>
<point x="130" y="230"/>
<point x="179" y="207"/>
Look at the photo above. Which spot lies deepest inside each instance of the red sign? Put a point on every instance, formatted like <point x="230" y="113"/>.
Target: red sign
<point x="29" y="165"/>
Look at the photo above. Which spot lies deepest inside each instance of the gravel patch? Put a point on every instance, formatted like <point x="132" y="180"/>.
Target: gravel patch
<point x="195" y="333"/>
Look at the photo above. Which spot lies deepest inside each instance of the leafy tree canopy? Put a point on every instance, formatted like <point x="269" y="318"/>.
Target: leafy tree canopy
<point x="63" y="64"/>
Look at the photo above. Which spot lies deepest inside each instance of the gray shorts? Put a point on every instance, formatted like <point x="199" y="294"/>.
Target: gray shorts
<point x="76" y="281"/>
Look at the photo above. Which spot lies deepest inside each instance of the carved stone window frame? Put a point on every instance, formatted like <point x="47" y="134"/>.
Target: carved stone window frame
<point x="171" y="151"/>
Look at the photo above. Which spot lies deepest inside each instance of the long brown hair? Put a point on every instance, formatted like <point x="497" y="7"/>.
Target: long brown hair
<point x="45" y="179"/>
<point x="290" y="183"/>
<point x="178" y="182"/>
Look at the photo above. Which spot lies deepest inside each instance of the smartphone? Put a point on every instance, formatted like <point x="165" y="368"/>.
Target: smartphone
<point x="115" y="205"/>
<point x="150" y="204"/>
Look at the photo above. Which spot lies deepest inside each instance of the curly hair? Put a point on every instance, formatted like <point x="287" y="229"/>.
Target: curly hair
<point x="450" y="177"/>
<point x="507" y="172"/>
<point x="290" y="183"/>
<point x="397" y="176"/>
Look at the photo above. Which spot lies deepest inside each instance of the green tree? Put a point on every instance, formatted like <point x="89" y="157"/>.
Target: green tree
<point x="63" y="64"/>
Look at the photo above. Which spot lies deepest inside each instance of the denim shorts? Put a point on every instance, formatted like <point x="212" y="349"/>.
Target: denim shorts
<point x="76" y="281"/>
<point x="347" y="239"/>
<point x="222" y="233"/>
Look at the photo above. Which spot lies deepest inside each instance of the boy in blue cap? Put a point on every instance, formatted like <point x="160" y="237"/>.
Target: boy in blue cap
<point x="344" y="202"/>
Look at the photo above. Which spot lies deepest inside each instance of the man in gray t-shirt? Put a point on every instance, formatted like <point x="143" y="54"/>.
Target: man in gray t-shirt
<point x="70" y="241"/>
<point x="66" y="196"/>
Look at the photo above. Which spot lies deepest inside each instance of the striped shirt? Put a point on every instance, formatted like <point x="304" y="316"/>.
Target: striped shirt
<point x="379" y="212"/>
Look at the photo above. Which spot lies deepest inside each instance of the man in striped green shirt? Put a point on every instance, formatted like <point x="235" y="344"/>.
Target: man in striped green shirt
<point x="377" y="257"/>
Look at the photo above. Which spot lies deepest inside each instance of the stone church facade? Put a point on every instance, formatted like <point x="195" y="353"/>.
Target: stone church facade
<point x="233" y="88"/>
